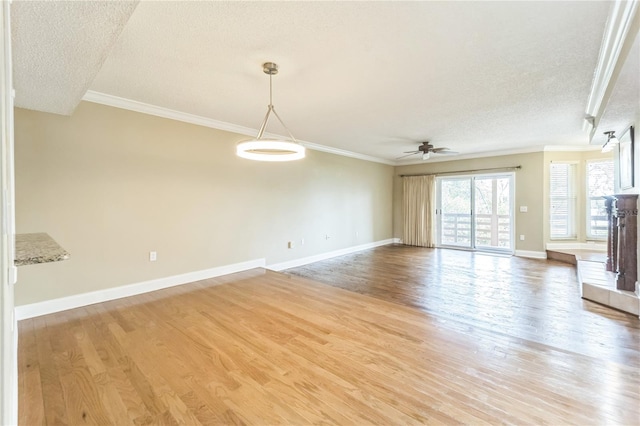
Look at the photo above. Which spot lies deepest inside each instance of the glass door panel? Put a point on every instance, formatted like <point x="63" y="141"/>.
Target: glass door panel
<point x="492" y="212"/>
<point x="455" y="212"/>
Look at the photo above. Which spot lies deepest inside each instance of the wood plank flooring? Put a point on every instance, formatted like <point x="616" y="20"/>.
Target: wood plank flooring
<point x="537" y="300"/>
<point x="262" y="347"/>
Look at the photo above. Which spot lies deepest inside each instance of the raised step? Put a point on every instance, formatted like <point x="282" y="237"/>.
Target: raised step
<point x="572" y="256"/>
<point x="596" y="283"/>
<point x="599" y="285"/>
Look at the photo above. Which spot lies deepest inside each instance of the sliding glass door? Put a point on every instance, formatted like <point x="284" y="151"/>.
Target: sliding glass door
<point x="476" y="212"/>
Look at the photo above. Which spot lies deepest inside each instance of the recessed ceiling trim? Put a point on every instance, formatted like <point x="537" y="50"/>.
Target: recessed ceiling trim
<point x="144" y="108"/>
<point x="616" y="36"/>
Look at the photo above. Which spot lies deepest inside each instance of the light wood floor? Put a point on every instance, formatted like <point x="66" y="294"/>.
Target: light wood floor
<point x="537" y="300"/>
<point x="262" y="347"/>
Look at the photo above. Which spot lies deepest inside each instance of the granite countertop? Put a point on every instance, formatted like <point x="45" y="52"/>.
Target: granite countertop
<point x="38" y="248"/>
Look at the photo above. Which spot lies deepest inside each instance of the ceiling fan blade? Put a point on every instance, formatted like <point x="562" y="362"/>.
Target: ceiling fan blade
<point x="444" y="151"/>
<point x="408" y="155"/>
<point x="411" y="152"/>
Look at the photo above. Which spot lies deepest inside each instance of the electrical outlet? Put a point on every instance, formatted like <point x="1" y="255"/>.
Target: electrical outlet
<point x="523" y="209"/>
<point x="301" y="241"/>
<point x="521" y="237"/>
<point x="153" y="256"/>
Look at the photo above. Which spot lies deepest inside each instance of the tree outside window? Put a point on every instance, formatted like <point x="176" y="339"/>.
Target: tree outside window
<point x="599" y="183"/>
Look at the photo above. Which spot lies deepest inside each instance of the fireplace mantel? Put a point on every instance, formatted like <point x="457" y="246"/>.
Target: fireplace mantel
<point x="622" y="243"/>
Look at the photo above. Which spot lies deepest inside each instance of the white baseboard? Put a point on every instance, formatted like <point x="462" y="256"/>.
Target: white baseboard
<point x="531" y="254"/>
<point x="323" y="256"/>
<point x="577" y="246"/>
<point x="84" y="299"/>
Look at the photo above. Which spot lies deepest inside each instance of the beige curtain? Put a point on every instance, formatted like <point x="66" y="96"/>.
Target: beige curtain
<point x="419" y="210"/>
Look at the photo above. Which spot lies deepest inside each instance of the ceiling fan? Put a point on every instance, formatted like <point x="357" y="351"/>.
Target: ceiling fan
<point x="427" y="149"/>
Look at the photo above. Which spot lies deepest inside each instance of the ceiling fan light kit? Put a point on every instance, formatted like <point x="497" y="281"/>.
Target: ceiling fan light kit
<point x="264" y="149"/>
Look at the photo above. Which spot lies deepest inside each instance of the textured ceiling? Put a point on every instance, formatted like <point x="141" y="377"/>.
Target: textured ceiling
<point x="373" y="78"/>
<point x="59" y="47"/>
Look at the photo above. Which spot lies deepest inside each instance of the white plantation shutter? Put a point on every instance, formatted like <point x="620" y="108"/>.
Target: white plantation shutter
<point x="562" y="203"/>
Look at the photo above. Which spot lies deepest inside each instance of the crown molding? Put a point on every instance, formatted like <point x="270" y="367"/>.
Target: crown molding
<point x="515" y="151"/>
<point x="618" y="37"/>
<point x="440" y="158"/>
<point x="144" y="108"/>
<point x="571" y="148"/>
<point x="344" y="153"/>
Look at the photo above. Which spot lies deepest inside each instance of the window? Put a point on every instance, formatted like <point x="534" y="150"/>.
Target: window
<point x="562" y="204"/>
<point x="599" y="183"/>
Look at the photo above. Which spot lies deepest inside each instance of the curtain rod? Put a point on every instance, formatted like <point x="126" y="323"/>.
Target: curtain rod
<point x="465" y="171"/>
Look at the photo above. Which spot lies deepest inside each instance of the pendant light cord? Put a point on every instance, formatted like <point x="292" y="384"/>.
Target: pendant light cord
<point x="269" y="109"/>
<point x="270" y="90"/>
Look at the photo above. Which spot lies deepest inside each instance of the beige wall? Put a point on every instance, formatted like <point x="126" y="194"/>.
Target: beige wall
<point x="581" y="159"/>
<point x="528" y="192"/>
<point x="111" y="185"/>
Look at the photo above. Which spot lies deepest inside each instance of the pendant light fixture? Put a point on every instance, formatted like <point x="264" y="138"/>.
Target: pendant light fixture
<point x="611" y="140"/>
<point x="263" y="149"/>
